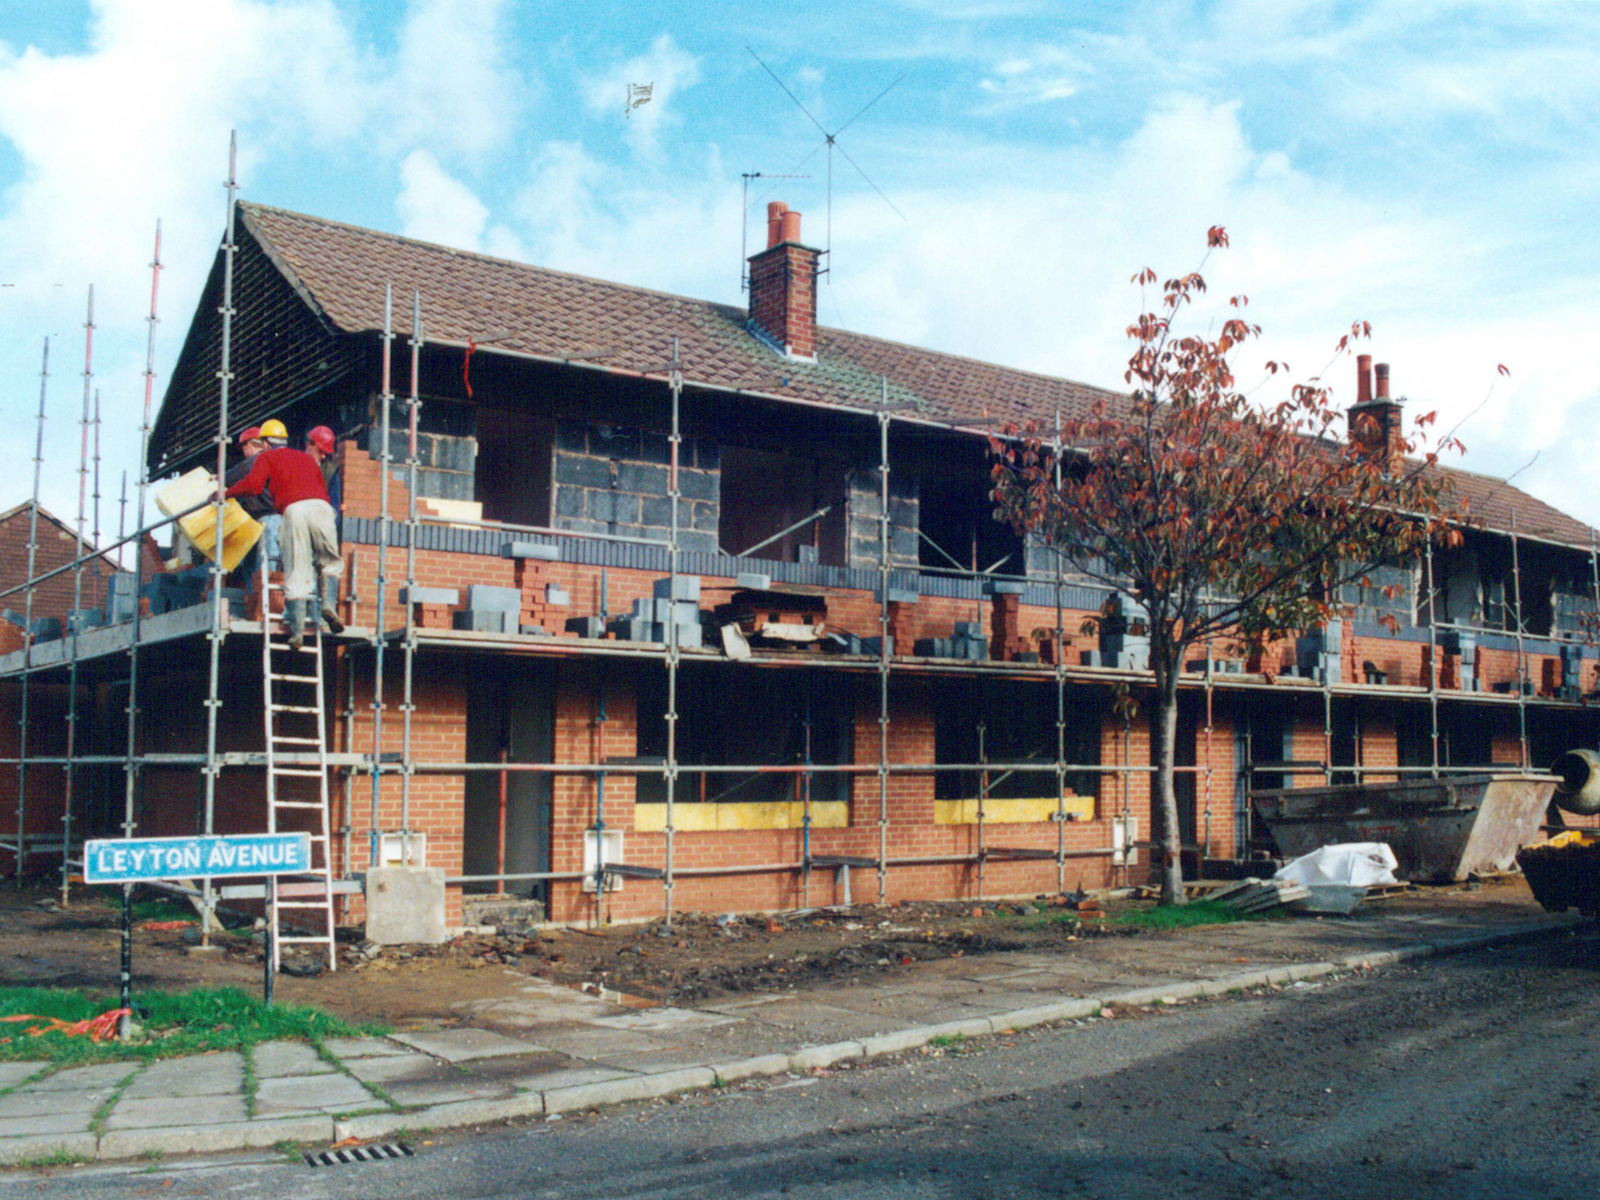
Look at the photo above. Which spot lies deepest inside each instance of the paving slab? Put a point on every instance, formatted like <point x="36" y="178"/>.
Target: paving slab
<point x="335" y="1093"/>
<point x="589" y="1042"/>
<point x="384" y="1071"/>
<point x="422" y="1094"/>
<point x="29" y="1103"/>
<point x="669" y="1020"/>
<point x="463" y="1045"/>
<point x="818" y="1020"/>
<point x="347" y="1048"/>
<point x="101" y="1075"/>
<point x="199" y="1075"/>
<point x="48" y="1123"/>
<point x="176" y="1111"/>
<point x="13" y="1073"/>
<point x="273" y="1060"/>
<point x="566" y="1077"/>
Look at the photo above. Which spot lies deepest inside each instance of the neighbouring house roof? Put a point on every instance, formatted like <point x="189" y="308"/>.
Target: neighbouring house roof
<point x="339" y="273"/>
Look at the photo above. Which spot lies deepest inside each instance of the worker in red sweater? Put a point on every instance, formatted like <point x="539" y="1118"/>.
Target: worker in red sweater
<point x="310" y="542"/>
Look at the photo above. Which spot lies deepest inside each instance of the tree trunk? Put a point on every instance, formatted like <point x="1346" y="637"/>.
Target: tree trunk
<point x="1164" y="796"/>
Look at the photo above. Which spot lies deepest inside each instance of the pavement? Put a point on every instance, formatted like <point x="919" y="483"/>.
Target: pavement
<point x="549" y="1050"/>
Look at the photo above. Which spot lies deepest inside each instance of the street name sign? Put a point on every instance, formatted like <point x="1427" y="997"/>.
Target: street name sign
<point x="130" y="860"/>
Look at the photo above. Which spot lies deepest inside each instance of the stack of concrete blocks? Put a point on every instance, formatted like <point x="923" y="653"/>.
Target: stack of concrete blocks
<point x="1007" y="642"/>
<point x="1465" y="647"/>
<point x="122" y="597"/>
<point x="1317" y="654"/>
<point x="1563" y="673"/>
<point x="172" y="590"/>
<point x="541" y="596"/>
<point x="968" y="642"/>
<point x="45" y="629"/>
<point x="431" y="607"/>
<point x="667" y="606"/>
<point x="81" y="619"/>
<point x="1120" y="645"/>
<point x="490" y="609"/>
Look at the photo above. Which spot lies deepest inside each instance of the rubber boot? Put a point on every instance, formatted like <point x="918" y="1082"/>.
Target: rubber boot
<point x="294" y="616"/>
<point x="330" y="603"/>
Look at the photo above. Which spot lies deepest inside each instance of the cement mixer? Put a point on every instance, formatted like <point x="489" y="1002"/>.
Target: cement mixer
<point x="1565" y="872"/>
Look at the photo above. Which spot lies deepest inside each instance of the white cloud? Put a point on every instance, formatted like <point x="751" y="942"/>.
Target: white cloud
<point x="452" y="87"/>
<point x="666" y="69"/>
<point x="437" y="207"/>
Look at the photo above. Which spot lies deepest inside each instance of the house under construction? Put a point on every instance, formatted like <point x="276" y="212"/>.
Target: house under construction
<point x="659" y="605"/>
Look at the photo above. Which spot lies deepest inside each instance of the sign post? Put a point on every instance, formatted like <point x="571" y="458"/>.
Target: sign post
<point x="127" y="861"/>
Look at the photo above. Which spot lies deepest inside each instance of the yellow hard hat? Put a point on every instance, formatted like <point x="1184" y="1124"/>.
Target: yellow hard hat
<point x="273" y="429"/>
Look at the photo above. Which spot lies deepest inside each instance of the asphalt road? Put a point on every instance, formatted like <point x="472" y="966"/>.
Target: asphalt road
<point x="1463" y="1077"/>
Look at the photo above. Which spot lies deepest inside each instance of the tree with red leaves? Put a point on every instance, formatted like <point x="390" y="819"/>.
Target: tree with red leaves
<point x="1219" y="516"/>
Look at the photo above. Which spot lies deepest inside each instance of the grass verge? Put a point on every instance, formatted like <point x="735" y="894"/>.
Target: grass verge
<point x="174" y="1023"/>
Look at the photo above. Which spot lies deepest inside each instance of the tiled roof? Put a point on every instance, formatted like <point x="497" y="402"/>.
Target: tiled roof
<point x="341" y="271"/>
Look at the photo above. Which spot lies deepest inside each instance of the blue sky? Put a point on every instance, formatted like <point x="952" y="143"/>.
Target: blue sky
<point x="1425" y="166"/>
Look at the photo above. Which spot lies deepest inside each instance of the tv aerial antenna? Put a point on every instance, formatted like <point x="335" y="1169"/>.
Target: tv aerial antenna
<point x="831" y="141"/>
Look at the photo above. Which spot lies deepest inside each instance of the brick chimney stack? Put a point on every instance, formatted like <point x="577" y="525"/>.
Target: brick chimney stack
<point x="783" y="287"/>
<point x="1374" y="419"/>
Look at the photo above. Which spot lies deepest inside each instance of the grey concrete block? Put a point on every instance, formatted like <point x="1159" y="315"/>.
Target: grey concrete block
<point x="1006" y="587"/>
<point x="486" y="598"/>
<point x="684" y="587"/>
<point x="557" y="595"/>
<point x="430" y="595"/>
<point x="589" y="627"/>
<point x="632" y="1087"/>
<point x="30" y="1148"/>
<point x="405" y="905"/>
<point x="811" y="1057"/>
<point x="753" y="580"/>
<point x="897" y="596"/>
<point x="484" y="622"/>
<point x="539" y="550"/>
<point x="698" y="485"/>
<point x="203" y="1139"/>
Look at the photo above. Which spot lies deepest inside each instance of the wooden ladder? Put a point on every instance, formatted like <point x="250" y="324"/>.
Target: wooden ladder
<point x="297" y="777"/>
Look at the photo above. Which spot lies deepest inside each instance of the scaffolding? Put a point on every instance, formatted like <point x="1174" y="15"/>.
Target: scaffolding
<point x="884" y="667"/>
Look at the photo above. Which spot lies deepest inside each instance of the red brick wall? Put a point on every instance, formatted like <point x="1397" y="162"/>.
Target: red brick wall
<point x="57" y="546"/>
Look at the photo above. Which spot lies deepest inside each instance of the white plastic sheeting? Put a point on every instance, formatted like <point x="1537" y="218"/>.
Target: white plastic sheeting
<point x="1340" y="875"/>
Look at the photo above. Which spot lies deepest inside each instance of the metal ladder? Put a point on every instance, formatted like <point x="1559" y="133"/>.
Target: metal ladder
<point x="297" y="777"/>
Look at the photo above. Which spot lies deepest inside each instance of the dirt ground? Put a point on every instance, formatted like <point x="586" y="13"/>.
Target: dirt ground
<point x="700" y="958"/>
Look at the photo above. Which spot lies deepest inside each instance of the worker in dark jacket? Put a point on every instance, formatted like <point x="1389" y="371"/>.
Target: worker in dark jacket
<point x="259" y="508"/>
<point x="310" y="543"/>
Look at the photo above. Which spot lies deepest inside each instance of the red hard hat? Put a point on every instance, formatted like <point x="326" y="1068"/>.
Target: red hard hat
<point x="322" y="438"/>
<point x="250" y="435"/>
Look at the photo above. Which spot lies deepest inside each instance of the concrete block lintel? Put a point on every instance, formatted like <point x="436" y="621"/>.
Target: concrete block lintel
<point x="538" y="550"/>
<point x="621" y="1091"/>
<point x="430" y="595"/>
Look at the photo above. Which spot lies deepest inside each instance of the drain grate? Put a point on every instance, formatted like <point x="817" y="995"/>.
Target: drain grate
<point x="355" y="1154"/>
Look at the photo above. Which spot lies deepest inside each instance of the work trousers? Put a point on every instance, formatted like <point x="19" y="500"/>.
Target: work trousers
<point x="310" y="548"/>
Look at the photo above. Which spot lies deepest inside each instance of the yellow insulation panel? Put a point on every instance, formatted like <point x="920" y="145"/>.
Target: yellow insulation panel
<point x="696" y="817"/>
<point x="1011" y="812"/>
